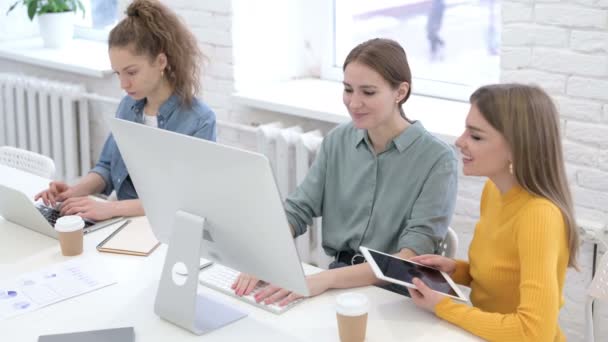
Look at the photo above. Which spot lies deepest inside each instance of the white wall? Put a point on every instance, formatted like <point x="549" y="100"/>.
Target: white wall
<point x="561" y="45"/>
<point x="16" y="23"/>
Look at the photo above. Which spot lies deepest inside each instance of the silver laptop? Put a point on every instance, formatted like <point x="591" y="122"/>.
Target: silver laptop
<point x="16" y="207"/>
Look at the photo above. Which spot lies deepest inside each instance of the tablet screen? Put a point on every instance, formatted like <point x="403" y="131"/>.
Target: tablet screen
<point x="405" y="271"/>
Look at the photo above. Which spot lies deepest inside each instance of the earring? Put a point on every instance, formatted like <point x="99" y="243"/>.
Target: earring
<point x="511" y="168"/>
<point x="162" y="73"/>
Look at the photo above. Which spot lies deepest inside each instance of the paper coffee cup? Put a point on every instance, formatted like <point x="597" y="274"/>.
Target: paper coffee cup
<point x="351" y="312"/>
<point x="70" y="233"/>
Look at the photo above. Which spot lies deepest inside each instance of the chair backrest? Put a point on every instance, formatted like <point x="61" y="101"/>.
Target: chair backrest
<point x="27" y="161"/>
<point x="598" y="289"/>
<point x="449" y="245"/>
<point x="599" y="285"/>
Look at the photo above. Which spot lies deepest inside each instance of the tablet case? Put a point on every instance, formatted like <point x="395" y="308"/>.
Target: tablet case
<point x="133" y="237"/>
<point x="105" y="335"/>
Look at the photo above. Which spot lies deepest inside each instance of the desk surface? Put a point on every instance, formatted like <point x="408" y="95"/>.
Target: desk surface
<point x="130" y="301"/>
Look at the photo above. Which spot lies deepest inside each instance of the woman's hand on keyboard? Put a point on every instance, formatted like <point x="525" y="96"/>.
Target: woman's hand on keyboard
<point x="244" y="284"/>
<point x="57" y="192"/>
<point x="88" y="208"/>
<point x="317" y="284"/>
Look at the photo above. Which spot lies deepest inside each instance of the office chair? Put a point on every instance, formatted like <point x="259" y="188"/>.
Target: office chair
<point x="27" y="161"/>
<point x="597" y="290"/>
<point x="449" y="245"/>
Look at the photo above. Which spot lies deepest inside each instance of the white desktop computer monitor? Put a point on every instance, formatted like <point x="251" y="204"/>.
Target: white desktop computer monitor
<point x="223" y="197"/>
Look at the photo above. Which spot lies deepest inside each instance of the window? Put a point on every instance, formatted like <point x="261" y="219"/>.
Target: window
<point x="100" y="17"/>
<point x="452" y="45"/>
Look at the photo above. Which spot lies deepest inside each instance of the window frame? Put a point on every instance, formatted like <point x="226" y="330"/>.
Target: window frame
<point x="100" y="35"/>
<point x="420" y="86"/>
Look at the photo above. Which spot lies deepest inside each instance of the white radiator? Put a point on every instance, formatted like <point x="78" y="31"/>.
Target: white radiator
<point x="46" y="117"/>
<point x="291" y="153"/>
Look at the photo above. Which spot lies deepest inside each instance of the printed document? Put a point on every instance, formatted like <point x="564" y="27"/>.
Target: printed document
<point x="52" y="284"/>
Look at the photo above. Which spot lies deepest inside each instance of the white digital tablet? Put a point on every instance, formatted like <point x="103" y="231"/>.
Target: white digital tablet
<point x="400" y="271"/>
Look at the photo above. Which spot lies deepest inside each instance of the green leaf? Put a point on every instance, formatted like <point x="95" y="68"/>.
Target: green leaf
<point x="46" y="8"/>
<point x="12" y="7"/>
<point x="67" y="5"/>
<point x="31" y="9"/>
<point x="35" y="7"/>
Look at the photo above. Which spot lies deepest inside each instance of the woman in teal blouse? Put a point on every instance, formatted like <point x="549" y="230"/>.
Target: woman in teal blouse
<point x="380" y="181"/>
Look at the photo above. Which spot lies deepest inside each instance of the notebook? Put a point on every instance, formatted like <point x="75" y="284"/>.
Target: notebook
<point x="106" y="335"/>
<point x="134" y="237"/>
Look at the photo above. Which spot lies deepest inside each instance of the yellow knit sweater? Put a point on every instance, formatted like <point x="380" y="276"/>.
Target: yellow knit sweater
<point x="518" y="260"/>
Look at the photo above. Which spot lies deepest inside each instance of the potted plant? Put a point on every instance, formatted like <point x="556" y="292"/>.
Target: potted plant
<point x="55" y="19"/>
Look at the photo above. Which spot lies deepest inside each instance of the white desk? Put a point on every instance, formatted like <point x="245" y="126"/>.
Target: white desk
<point x="130" y="301"/>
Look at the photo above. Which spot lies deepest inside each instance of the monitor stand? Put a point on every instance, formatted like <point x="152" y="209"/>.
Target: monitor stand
<point x="180" y="304"/>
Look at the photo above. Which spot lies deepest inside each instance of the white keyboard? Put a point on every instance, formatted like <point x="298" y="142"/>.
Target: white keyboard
<point x="221" y="278"/>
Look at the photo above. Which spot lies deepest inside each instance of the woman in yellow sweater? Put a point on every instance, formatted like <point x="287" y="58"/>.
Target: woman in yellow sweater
<point x="526" y="236"/>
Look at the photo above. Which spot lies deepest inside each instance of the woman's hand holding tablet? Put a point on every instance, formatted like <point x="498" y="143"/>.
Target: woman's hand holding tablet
<point x="402" y="272"/>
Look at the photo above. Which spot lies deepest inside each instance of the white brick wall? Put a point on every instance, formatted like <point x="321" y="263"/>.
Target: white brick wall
<point x="589" y="41"/>
<point x="552" y="82"/>
<point x="572" y="16"/>
<point x="590" y="88"/>
<point x="579" y="110"/>
<point x="534" y="35"/>
<point x="564" y="61"/>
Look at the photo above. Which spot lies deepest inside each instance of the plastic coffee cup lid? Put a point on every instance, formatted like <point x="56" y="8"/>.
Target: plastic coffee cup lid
<point x="351" y="304"/>
<point x="70" y="223"/>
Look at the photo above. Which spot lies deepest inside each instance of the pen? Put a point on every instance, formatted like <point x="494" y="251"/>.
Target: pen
<point x="113" y="233"/>
<point x="96" y="226"/>
<point x="205" y="264"/>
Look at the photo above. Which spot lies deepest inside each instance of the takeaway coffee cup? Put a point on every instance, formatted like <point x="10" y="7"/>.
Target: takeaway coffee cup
<point x="69" y="230"/>
<point x="351" y="312"/>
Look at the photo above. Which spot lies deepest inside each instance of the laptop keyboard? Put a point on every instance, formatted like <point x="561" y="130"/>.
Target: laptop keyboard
<point x="52" y="214"/>
<point x="221" y="278"/>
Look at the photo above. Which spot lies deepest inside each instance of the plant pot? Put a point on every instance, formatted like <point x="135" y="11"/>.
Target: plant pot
<point x="56" y="29"/>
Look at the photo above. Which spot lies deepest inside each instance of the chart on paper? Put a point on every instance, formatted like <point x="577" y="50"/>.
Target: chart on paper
<point x="31" y="291"/>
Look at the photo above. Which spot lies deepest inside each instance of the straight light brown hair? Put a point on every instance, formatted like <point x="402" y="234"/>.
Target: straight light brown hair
<point x="527" y="118"/>
<point x="387" y="58"/>
<point x="151" y="28"/>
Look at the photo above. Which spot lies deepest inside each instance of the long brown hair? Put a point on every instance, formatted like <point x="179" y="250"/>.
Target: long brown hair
<point x="387" y="58"/>
<point x="527" y="118"/>
<point x="151" y="28"/>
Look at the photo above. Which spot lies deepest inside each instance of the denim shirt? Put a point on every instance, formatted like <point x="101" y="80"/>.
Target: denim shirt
<point x="198" y="121"/>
